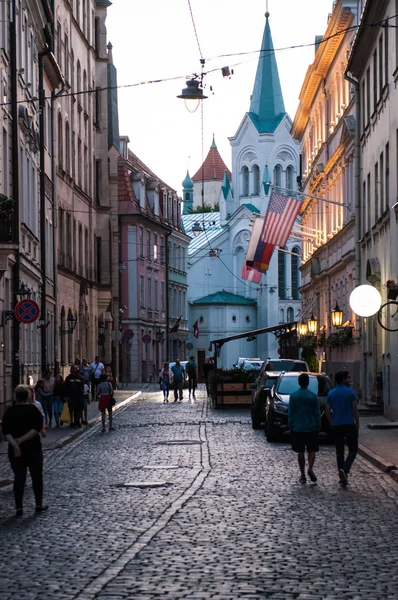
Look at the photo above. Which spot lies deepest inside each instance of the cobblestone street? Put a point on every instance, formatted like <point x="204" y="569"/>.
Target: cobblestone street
<point x="183" y="501"/>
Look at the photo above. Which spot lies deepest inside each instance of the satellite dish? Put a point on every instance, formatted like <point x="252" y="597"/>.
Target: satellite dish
<point x="189" y="346"/>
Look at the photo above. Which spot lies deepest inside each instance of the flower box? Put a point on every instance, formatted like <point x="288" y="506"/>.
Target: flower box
<point x="392" y="292"/>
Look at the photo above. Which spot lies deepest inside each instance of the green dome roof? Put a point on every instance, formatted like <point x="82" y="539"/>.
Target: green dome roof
<point x="187" y="183"/>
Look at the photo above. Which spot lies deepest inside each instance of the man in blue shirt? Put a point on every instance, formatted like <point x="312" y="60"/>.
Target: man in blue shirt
<point x="342" y="414"/>
<point x="178" y="380"/>
<point x="304" y="423"/>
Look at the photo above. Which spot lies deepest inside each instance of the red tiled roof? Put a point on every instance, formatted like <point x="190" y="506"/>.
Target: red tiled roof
<point x="213" y="167"/>
<point x="125" y="189"/>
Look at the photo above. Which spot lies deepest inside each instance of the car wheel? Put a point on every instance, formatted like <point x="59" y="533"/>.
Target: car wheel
<point x="270" y="433"/>
<point x="256" y="423"/>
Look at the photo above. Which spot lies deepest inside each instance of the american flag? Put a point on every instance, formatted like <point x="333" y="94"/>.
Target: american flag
<point x="281" y="214"/>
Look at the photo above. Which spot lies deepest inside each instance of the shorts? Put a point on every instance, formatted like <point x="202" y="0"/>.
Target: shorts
<point x="305" y="439"/>
<point x="85" y="401"/>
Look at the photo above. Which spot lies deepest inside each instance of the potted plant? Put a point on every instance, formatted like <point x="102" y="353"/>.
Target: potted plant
<point x="392" y="289"/>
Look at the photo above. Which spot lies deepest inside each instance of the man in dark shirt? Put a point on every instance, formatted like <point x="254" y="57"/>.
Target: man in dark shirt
<point x="73" y="391"/>
<point x="21" y="427"/>
<point x="192" y="370"/>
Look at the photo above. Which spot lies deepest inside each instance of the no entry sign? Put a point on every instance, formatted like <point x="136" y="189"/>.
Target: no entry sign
<point x="27" y="311"/>
<point x="146" y="339"/>
<point x="128" y="334"/>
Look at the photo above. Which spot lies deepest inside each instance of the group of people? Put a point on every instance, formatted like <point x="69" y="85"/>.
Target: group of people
<point x="175" y="377"/>
<point x="342" y="415"/>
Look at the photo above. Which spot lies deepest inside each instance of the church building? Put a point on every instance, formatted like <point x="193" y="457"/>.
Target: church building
<point x="221" y="303"/>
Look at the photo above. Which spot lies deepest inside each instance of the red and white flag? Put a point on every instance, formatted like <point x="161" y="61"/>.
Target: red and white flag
<point x="247" y="272"/>
<point x="196" y="329"/>
<point x="250" y="274"/>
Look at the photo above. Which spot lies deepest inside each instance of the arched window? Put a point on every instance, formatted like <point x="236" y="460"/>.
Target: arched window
<point x="290" y="315"/>
<point x="85" y="95"/>
<point x="79" y="80"/>
<point x="67" y="148"/>
<point x="295" y="273"/>
<point x="281" y="315"/>
<point x="60" y="142"/>
<point x="240" y="284"/>
<point x="278" y="175"/>
<point x="245" y="181"/>
<point x="187" y="197"/>
<point x="290" y="184"/>
<point x="282" y="274"/>
<point x="256" y="180"/>
<point x="62" y="336"/>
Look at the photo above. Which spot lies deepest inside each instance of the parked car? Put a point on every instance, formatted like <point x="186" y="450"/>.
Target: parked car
<point x="276" y="410"/>
<point x="252" y="365"/>
<point x="261" y="389"/>
<point x="242" y="359"/>
<point x="183" y="363"/>
<point x="287" y="364"/>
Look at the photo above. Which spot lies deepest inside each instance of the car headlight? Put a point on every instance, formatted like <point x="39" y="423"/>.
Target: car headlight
<point x="280" y="406"/>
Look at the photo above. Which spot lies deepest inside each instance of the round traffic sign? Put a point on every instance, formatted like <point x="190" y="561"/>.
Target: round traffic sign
<point x="146" y="338"/>
<point x="27" y="311"/>
<point x="128" y="334"/>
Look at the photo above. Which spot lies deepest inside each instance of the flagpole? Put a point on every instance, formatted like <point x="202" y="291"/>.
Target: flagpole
<point x="296" y="192"/>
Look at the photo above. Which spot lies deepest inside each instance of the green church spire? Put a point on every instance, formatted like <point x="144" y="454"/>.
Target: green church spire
<point x="267" y="107"/>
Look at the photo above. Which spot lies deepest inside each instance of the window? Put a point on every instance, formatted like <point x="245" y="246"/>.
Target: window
<point x="381" y="69"/>
<point x="141" y="242"/>
<point x="5" y="163"/>
<point x="368" y="204"/>
<point x="60" y="144"/>
<point x="290" y="178"/>
<point x="381" y="183"/>
<point x="295" y="273"/>
<point x="155" y="247"/>
<point x="363" y="204"/>
<point x="148" y="245"/>
<point x="67" y="148"/>
<point x="375" y="88"/>
<point x="385" y="52"/>
<point x="149" y="300"/>
<point x="245" y="181"/>
<point x="256" y="180"/>
<point x="363" y="105"/>
<point x="162" y="297"/>
<point x="156" y="294"/>
<point x="142" y="291"/>
<point x="368" y="94"/>
<point x="281" y="274"/>
<point x="376" y="184"/>
<point x="5" y="19"/>
<point x="278" y="176"/>
<point x="162" y="250"/>
<point x="66" y="58"/>
<point x="290" y="315"/>
<point x="387" y="176"/>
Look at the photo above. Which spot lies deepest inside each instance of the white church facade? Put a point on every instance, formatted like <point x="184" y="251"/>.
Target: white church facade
<point x="219" y="299"/>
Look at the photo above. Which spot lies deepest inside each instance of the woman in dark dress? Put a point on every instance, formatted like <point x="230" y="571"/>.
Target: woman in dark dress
<point x="21" y="427"/>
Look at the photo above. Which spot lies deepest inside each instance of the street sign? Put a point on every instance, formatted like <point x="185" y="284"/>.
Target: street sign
<point x="128" y="334"/>
<point x="146" y="339"/>
<point x="27" y="311"/>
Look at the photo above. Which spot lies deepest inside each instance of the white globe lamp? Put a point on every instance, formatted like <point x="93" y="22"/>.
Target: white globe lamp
<point x="365" y="300"/>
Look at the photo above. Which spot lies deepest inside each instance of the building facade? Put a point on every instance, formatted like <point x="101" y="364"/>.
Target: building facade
<point x="373" y="65"/>
<point x="324" y="125"/>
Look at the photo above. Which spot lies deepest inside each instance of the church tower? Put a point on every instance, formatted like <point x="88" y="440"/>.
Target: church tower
<point x="211" y="176"/>
<point x="187" y="194"/>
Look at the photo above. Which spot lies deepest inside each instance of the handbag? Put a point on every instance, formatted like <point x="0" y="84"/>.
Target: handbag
<point x="65" y="415"/>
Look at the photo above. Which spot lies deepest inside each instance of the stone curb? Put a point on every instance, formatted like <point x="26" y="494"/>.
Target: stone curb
<point x="378" y="461"/>
<point x="72" y="436"/>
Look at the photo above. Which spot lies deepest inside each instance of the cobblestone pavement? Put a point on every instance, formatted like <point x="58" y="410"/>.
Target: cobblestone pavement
<point x="183" y="501"/>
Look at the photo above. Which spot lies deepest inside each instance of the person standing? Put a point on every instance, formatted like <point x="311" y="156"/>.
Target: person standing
<point x="58" y="394"/>
<point x="105" y="401"/>
<point x="73" y="391"/>
<point x="178" y="379"/>
<point x="86" y="371"/>
<point x="97" y="368"/>
<point x="342" y="414"/>
<point x="304" y="419"/>
<point x="165" y="378"/>
<point x="208" y="367"/>
<point x="21" y="428"/>
<point x="192" y="370"/>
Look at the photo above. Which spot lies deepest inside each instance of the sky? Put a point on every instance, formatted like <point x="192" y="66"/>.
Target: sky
<point x="155" y="40"/>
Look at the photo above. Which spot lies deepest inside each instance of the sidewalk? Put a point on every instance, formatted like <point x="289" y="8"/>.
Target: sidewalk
<point x="57" y="437"/>
<point x="378" y="442"/>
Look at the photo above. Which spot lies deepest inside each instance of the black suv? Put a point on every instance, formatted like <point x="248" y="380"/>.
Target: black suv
<point x="276" y="409"/>
<point x="262" y="388"/>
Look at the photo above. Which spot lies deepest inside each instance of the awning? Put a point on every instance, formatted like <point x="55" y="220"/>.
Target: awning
<point x="282" y="328"/>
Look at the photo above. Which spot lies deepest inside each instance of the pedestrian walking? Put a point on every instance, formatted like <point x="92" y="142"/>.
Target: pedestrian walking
<point x="165" y="379"/>
<point x="58" y="395"/>
<point x="21" y="428"/>
<point x="32" y="400"/>
<point x="86" y="371"/>
<point x="47" y="399"/>
<point x="342" y="414"/>
<point x="304" y="419"/>
<point x="192" y="371"/>
<point x="97" y="368"/>
<point x="178" y="380"/>
<point x="208" y="367"/>
<point x="73" y="392"/>
<point x="105" y="401"/>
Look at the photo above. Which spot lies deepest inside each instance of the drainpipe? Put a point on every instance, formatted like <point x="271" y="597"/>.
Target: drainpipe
<point x="15" y="190"/>
<point x="357" y="161"/>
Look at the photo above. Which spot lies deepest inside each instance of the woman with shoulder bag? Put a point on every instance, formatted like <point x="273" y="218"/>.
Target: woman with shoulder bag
<point x="105" y="401"/>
